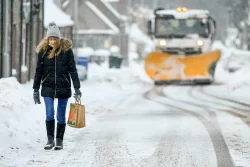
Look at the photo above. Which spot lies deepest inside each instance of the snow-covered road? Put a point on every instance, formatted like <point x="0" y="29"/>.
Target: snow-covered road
<point x="130" y="122"/>
<point x="213" y="114"/>
<point x="160" y="127"/>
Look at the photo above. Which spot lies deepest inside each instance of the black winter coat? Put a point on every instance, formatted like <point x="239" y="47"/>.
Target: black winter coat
<point x="56" y="73"/>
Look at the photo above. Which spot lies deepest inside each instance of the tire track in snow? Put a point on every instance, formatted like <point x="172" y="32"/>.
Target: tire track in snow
<point x="225" y="99"/>
<point x="211" y="125"/>
<point x="211" y="104"/>
<point x="214" y="100"/>
<point x="218" y="137"/>
<point x="167" y="151"/>
<point x="169" y="148"/>
<point x="236" y="111"/>
<point x="238" y="146"/>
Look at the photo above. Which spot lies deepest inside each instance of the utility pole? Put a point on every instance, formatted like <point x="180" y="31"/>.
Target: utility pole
<point x="43" y="17"/>
<point x="123" y="37"/>
<point x="11" y="35"/>
<point x="31" y="40"/>
<point x="76" y="25"/>
<point x="37" y="6"/>
<point x="20" y="43"/>
<point x="6" y="72"/>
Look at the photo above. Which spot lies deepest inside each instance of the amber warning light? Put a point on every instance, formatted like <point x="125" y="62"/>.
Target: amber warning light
<point x="181" y="9"/>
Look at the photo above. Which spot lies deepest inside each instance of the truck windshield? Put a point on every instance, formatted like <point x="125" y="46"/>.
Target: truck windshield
<point x="170" y="28"/>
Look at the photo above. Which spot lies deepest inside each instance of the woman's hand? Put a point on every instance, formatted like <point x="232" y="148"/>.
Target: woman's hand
<point x="77" y="94"/>
<point x="36" y="96"/>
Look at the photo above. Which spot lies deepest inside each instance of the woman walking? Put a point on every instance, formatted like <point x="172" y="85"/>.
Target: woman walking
<point x="54" y="71"/>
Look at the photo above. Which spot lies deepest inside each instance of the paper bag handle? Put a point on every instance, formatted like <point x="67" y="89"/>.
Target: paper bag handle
<point x="78" y="101"/>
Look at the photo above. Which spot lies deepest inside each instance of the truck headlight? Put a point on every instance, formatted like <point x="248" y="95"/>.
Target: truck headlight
<point x="163" y="42"/>
<point x="200" y="43"/>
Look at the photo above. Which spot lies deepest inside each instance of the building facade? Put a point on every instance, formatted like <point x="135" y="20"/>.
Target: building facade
<point x="22" y="28"/>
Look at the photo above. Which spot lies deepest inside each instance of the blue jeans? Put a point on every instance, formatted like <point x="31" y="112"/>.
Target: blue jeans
<point x="61" y="109"/>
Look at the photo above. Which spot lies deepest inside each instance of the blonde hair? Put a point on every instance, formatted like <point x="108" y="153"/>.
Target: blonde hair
<point x="43" y="45"/>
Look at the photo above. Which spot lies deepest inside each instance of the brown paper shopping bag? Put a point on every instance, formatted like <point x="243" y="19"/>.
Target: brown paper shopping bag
<point x="76" y="117"/>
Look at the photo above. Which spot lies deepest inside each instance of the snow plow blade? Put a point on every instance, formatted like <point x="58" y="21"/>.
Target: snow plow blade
<point x="167" y="68"/>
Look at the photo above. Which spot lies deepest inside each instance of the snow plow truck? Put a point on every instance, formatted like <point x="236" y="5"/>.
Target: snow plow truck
<point x="182" y="53"/>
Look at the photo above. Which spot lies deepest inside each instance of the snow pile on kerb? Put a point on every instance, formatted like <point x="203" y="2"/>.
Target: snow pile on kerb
<point x="236" y="79"/>
<point x="12" y="98"/>
<point x="18" y="122"/>
<point x="236" y="85"/>
<point x="221" y="75"/>
<point x="133" y="74"/>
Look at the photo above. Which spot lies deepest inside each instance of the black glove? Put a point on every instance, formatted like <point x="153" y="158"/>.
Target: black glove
<point x="36" y="96"/>
<point x="77" y="94"/>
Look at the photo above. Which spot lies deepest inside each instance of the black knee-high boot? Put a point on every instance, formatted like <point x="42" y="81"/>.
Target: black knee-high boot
<point x="59" y="136"/>
<point x="50" y="126"/>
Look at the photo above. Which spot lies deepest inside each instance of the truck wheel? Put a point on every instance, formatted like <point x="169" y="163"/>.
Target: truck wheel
<point x="158" y="83"/>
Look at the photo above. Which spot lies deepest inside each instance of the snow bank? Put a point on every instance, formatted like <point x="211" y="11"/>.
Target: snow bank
<point x="18" y="122"/>
<point x="134" y="74"/>
<point x="238" y="78"/>
<point x="235" y="84"/>
<point x="10" y="99"/>
<point x="221" y="74"/>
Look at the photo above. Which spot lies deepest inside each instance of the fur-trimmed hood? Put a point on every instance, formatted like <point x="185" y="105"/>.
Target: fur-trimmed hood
<point x="65" y="44"/>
